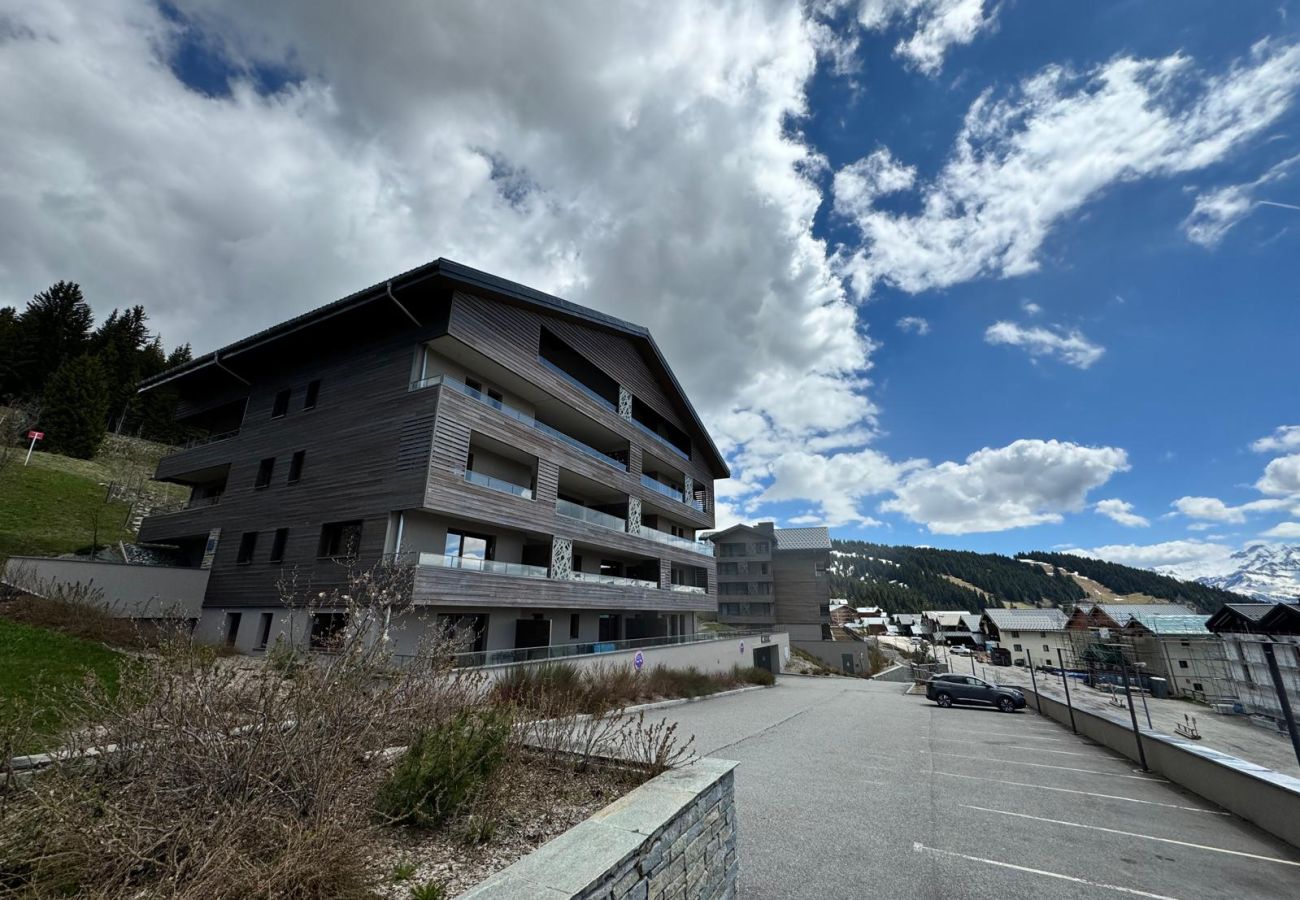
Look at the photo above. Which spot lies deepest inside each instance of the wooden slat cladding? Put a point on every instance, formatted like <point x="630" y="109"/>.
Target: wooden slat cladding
<point x="413" y="443"/>
<point x="510" y="336"/>
<point x="457" y="587"/>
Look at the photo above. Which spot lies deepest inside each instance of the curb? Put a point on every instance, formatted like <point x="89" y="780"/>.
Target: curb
<point x="678" y="701"/>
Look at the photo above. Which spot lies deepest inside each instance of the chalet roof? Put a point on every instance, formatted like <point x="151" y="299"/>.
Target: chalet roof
<point x="1261" y="618"/>
<point x="1122" y="612"/>
<point x="1169" y="625"/>
<point x="803" y="539"/>
<point x="471" y="280"/>
<point x="946" y="618"/>
<point x="1026" y="619"/>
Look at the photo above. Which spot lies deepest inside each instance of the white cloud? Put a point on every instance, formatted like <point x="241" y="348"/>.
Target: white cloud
<point x="1283" y="438"/>
<point x="1030" y="307"/>
<point x="1190" y="559"/>
<point x="1216" y="211"/>
<point x="1285" y="530"/>
<point x="938" y="25"/>
<point x="1024" y="162"/>
<point x="914" y="325"/>
<point x="1071" y="347"/>
<point x="857" y="185"/>
<point x="838" y="483"/>
<point x="1200" y="526"/>
<point x="1212" y="509"/>
<point x="1281" y="476"/>
<point x="1121" y="512"/>
<point x="1028" y="482"/>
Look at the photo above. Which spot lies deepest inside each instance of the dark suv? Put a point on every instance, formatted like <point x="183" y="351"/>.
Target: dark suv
<point x="946" y="690"/>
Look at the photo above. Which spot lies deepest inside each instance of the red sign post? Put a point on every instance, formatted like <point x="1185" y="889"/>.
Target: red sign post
<point x="35" y="436"/>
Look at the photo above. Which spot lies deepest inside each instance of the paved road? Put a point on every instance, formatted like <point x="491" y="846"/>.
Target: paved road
<point x="853" y="789"/>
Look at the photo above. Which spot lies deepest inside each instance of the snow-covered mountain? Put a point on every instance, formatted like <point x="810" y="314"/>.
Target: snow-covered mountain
<point x="1262" y="571"/>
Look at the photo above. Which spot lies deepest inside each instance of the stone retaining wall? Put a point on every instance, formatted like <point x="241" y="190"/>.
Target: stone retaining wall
<point x="672" y="837"/>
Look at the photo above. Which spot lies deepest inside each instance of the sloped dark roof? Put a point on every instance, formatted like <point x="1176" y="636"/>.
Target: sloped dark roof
<point x="1238" y="616"/>
<point x="471" y="279"/>
<point x="803" y="538"/>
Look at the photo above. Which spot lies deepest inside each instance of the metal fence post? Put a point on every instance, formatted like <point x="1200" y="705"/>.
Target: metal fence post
<point x="1282" y="698"/>
<point x="1065" y="683"/>
<point x="1137" y="735"/>
<point x="1038" y="701"/>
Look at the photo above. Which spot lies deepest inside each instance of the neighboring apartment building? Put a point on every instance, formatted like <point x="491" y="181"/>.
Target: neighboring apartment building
<point x="951" y="627"/>
<point x="1183" y="651"/>
<point x="1029" y="634"/>
<point x="1246" y="628"/>
<point x="775" y="577"/>
<point x="537" y="461"/>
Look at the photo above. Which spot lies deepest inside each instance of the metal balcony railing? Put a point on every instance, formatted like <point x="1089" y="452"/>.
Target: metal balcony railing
<point x="618" y="580"/>
<point x="594" y="516"/>
<point x="497" y="484"/>
<point x="603" y="401"/>
<point x="646" y="429"/>
<point x="474" y="564"/>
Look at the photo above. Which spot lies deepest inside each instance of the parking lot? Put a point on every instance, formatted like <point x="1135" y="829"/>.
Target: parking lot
<point x="851" y="789"/>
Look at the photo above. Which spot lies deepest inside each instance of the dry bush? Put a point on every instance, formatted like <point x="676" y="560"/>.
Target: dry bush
<point x="207" y="778"/>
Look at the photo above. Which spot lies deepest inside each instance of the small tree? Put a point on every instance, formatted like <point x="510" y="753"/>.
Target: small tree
<point x="76" y="408"/>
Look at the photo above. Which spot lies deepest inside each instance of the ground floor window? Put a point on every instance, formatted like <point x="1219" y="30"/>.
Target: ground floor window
<point x="469" y="631"/>
<point x="264" y="630"/>
<point x="327" y="630"/>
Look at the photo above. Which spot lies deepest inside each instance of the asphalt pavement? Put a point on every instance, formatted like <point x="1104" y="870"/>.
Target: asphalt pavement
<point x="852" y="789"/>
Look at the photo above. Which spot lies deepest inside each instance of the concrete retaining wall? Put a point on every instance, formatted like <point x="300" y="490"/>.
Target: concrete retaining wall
<point x="1269" y="799"/>
<point x="674" y="836"/>
<point x="137" y="592"/>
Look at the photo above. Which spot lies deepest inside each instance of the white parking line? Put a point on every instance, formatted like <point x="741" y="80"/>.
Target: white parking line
<point x="1026" y="737"/>
<point x="1035" y="749"/>
<point x="1016" y="762"/>
<point x="1044" y="787"/>
<point x="921" y="848"/>
<point x="1145" y="837"/>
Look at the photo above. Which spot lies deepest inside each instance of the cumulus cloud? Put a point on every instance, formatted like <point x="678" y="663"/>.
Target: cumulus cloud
<point x="1189" y="559"/>
<point x="914" y="325"/>
<point x="1071" y="347"/>
<point x="839" y="482"/>
<point x="1283" y="438"/>
<point x="1212" y="509"/>
<point x="1028" y="482"/>
<point x="935" y="25"/>
<point x="1281" y="476"/>
<point x="1216" y="211"/>
<point x="1284" y="530"/>
<point x="1122" y="512"/>
<point x="1024" y="161"/>
<point x="857" y="185"/>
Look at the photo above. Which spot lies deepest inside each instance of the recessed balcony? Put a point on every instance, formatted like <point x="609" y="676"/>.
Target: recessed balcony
<point x="617" y="580"/>
<point x="474" y="564"/>
<point x="592" y="516"/>
<point x="498" y="484"/>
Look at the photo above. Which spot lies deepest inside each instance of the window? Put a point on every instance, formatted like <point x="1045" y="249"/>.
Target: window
<point x="763" y="569"/>
<point x="313" y="394"/>
<point x="1196" y="686"/>
<point x="339" y="539"/>
<point x="1042" y="634"/>
<point x="761" y="548"/>
<point x="247" y="545"/>
<point x="264" y="470"/>
<point x="1047" y="649"/>
<point x="327" y="630"/>
<point x="281" y="406"/>
<point x="574" y="621"/>
<point x="277" y="544"/>
<point x="728" y="568"/>
<point x="495" y="395"/>
<point x="295" y="466"/>
<point x="819" y="568"/>
<point x="1017" y="648"/>
<point x="1182" y="664"/>
<point x="264" y="630"/>
<point x="474" y="385"/>
<point x="1015" y="634"/>
<point x="470" y="546"/>
<point x="232" y="628"/>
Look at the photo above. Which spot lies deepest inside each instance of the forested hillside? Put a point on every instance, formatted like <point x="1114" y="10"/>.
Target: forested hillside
<point x="910" y="579"/>
<point x="1127" y="580"/>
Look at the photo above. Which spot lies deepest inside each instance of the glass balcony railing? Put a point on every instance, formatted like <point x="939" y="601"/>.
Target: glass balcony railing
<point x="664" y="537"/>
<point x="474" y="564"/>
<point x="646" y="429"/>
<point x="518" y="416"/>
<point x="689" y="589"/>
<point x="661" y="488"/>
<point x="580" y="446"/>
<point x="594" y="516"/>
<point x="614" y="579"/>
<point x="210" y="439"/>
<point x="603" y="401"/>
<point x="497" y="484"/>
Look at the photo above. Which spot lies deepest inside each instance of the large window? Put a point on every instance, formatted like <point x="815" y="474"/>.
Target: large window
<point x="277" y="545"/>
<point x="264" y="470"/>
<point x="247" y="546"/>
<point x="313" y="394"/>
<point x="295" y="466"/>
<point x="470" y="546"/>
<point x="281" y="406"/>
<point x="340" y="539"/>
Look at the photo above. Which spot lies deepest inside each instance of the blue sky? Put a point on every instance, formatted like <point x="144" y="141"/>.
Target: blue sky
<point x="992" y="275"/>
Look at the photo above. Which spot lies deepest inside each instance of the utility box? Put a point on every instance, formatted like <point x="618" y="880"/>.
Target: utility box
<point x="1159" y="688"/>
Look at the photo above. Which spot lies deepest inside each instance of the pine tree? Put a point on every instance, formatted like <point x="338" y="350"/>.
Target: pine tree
<point x="121" y="343"/>
<point x="76" y="408"/>
<point x="54" y="329"/>
<point x="10" y="342"/>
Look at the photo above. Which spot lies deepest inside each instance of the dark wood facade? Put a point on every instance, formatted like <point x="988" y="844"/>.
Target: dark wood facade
<point x="376" y="444"/>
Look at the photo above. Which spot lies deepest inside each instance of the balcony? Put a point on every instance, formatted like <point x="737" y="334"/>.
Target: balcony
<point x="490" y="566"/>
<point x="210" y="439"/>
<point x="594" y="516"/>
<point x="617" y="580"/>
<point x="659" y="487"/>
<point x="580" y="446"/>
<point x="646" y="429"/>
<point x="584" y="389"/>
<point x="497" y="484"/>
<point x="673" y="540"/>
<point x="689" y="589"/>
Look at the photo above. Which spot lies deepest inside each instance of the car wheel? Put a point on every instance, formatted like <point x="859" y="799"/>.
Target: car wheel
<point x="1006" y="705"/>
<point x="944" y="700"/>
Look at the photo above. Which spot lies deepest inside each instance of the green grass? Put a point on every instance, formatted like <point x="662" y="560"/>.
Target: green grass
<point x="49" y="507"/>
<point x="37" y="667"/>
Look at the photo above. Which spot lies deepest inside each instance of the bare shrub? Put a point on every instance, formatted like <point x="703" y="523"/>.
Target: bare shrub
<point x="654" y="746"/>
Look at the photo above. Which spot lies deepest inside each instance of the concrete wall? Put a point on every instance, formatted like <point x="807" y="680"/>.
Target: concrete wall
<point x="139" y="592"/>
<point x="832" y="652"/>
<point x="1269" y="799"/>
<point x="674" y="836"/>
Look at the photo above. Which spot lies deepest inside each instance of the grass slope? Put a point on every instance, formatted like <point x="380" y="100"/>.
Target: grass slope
<point x="49" y="507"/>
<point x="38" y="666"/>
